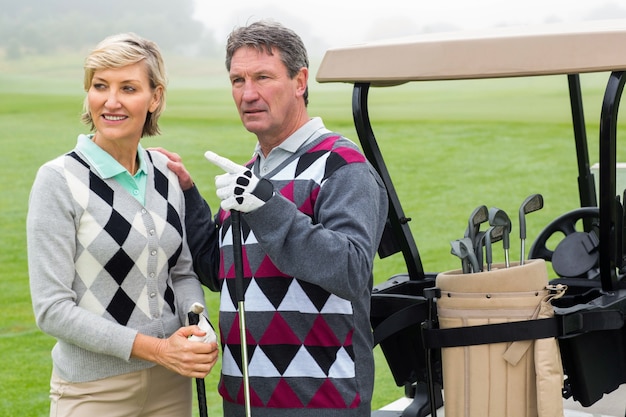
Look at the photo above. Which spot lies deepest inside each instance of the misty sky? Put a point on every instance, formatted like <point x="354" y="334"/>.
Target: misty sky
<point x="341" y="22"/>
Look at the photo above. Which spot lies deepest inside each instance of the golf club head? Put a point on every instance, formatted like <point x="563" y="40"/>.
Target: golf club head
<point x="492" y="235"/>
<point x="461" y="253"/>
<point x="495" y="234"/>
<point x="476" y="218"/>
<point x="498" y="217"/>
<point x="532" y="203"/>
<point x="466" y="245"/>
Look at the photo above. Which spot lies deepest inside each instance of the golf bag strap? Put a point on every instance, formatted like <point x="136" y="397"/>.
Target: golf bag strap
<point x="491" y="333"/>
<point x="400" y="320"/>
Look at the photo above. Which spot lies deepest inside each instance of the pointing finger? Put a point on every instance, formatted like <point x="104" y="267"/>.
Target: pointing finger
<point x="224" y="163"/>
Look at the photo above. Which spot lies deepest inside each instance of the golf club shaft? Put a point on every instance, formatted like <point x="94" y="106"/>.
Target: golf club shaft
<point x="244" y="358"/>
<point x="235" y="218"/>
<point x="201" y="391"/>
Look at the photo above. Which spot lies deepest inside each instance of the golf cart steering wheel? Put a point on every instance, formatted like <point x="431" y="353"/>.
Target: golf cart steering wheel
<point x="576" y="256"/>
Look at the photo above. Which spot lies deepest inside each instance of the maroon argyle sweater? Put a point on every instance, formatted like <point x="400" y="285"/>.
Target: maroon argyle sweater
<point x="299" y="335"/>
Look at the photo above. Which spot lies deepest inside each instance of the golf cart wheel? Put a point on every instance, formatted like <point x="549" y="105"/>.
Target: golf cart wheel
<point x="576" y="255"/>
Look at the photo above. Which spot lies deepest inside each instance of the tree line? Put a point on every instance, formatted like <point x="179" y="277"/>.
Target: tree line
<point x="30" y="27"/>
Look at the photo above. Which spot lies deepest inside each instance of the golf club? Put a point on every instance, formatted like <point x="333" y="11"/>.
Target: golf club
<point x="495" y="235"/>
<point x="532" y="203"/>
<point x="492" y="235"/>
<point x="463" y="249"/>
<point x="476" y="218"/>
<point x="455" y="249"/>
<point x="478" y="248"/>
<point x="466" y="245"/>
<point x="241" y="310"/>
<point x="498" y="217"/>
<point x="194" y="318"/>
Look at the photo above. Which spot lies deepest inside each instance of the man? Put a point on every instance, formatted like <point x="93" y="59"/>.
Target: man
<point x="313" y="212"/>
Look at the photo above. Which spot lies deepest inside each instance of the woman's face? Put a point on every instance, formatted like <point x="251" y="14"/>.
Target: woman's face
<point x="119" y="100"/>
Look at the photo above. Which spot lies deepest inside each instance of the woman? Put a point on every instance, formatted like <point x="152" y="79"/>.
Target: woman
<point x="111" y="276"/>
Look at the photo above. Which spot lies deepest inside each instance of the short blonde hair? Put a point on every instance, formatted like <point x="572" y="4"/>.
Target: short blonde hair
<point x="119" y="51"/>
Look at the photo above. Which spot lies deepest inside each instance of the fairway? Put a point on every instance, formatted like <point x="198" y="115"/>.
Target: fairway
<point x="449" y="146"/>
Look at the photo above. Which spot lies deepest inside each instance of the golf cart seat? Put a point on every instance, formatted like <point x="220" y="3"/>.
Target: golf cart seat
<point x="592" y="337"/>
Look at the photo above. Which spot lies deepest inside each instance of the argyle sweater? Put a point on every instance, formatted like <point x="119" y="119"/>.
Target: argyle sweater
<point x="308" y="254"/>
<point x="104" y="267"/>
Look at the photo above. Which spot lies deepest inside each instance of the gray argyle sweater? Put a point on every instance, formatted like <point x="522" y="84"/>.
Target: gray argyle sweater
<point x="103" y="266"/>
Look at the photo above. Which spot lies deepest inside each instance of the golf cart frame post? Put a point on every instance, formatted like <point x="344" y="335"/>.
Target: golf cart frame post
<point x="558" y="49"/>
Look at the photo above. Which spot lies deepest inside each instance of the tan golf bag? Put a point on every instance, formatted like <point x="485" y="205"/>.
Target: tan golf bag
<point x="508" y="379"/>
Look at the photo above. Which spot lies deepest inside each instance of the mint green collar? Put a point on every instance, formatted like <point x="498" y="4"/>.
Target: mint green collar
<point x="107" y="167"/>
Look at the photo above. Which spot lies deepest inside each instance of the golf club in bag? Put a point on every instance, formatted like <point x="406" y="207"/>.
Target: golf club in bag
<point x="532" y="203"/>
<point x="235" y="218"/>
<point x="498" y="217"/>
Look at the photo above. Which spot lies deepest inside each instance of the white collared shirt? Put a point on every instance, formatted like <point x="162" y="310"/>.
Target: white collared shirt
<point x="310" y="131"/>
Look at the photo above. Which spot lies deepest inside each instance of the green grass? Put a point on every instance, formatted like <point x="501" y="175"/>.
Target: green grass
<point x="449" y="147"/>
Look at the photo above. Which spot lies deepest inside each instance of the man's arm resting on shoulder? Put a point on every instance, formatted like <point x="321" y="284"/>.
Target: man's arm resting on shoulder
<point x="202" y="237"/>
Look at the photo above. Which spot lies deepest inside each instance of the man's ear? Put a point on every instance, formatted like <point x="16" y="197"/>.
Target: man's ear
<point x="302" y="79"/>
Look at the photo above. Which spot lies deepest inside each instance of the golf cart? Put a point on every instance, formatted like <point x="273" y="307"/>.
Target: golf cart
<point x="590" y="317"/>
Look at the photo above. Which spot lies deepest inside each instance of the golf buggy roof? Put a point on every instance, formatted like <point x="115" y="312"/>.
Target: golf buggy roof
<point x="503" y="52"/>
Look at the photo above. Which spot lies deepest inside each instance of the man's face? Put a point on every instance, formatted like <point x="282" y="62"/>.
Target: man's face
<point x="269" y="102"/>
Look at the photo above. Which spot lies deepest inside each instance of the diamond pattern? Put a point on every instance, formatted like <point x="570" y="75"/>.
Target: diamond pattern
<point x="121" y="307"/>
<point x="112" y="246"/>
<point x="283" y="394"/>
<point x="119" y="266"/>
<point x="117" y="227"/>
<point x="100" y="188"/>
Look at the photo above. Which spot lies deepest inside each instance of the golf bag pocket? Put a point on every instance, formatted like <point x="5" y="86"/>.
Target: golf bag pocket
<point x="518" y="378"/>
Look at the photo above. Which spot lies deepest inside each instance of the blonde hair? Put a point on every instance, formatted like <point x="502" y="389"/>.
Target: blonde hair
<point x="119" y="51"/>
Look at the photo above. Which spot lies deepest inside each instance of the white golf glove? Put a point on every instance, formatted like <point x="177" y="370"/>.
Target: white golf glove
<point x="239" y="189"/>
<point x="204" y="324"/>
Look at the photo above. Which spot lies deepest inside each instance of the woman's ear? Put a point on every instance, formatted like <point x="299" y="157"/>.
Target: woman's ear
<point x="156" y="99"/>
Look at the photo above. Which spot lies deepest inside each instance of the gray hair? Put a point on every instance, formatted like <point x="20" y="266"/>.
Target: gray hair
<point x="264" y="36"/>
<point x="119" y="51"/>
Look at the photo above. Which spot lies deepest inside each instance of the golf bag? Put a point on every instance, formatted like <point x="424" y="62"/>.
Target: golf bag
<point x="518" y="378"/>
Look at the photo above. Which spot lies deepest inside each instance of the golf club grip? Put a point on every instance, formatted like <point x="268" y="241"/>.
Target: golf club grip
<point x="235" y="218"/>
<point x="194" y="319"/>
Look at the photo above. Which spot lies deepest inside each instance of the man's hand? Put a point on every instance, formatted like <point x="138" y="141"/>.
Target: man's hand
<point x="175" y="163"/>
<point x="239" y="189"/>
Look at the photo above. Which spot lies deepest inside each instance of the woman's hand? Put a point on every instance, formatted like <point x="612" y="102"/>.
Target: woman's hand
<point x="177" y="353"/>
